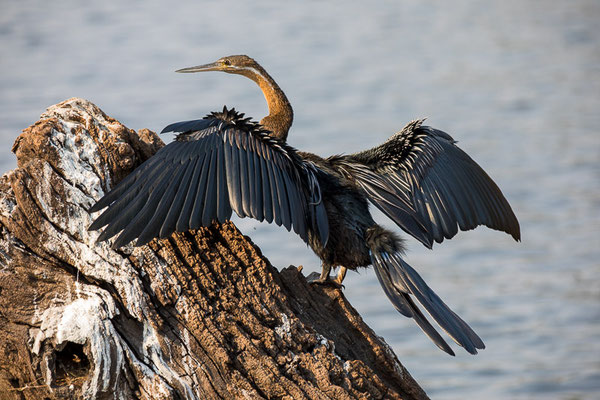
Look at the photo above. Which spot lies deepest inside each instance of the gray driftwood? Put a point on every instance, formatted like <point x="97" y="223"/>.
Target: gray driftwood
<point x="200" y="315"/>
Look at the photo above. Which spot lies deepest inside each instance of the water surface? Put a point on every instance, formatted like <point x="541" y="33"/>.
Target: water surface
<point x="516" y="82"/>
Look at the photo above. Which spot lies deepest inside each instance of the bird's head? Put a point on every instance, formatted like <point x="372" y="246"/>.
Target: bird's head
<point x="281" y="114"/>
<point x="240" y="64"/>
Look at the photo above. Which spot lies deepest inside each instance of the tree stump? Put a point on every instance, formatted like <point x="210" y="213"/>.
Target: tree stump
<point x="200" y="315"/>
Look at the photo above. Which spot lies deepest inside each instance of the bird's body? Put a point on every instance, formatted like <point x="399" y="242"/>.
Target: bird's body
<point x="348" y="216"/>
<point x="225" y="162"/>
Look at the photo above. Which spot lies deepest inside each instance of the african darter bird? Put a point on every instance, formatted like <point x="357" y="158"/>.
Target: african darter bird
<point x="225" y="162"/>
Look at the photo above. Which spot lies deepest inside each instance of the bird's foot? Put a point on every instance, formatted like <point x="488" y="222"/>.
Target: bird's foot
<point x="316" y="279"/>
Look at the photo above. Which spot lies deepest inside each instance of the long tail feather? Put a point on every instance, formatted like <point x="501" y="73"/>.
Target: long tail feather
<point x="399" y="280"/>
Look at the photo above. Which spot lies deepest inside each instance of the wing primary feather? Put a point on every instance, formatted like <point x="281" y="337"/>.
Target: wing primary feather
<point x="152" y="228"/>
<point x="290" y="194"/>
<point x="440" y="199"/>
<point x="267" y="201"/>
<point x="233" y="179"/>
<point x="297" y="205"/>
<point x="420" y="207"/>
<point x="176" y="208"/>
<point x="479" y="213"/>
<point x="183" y="222"/>
<point x="438" y="221"/>
<point x="251" y="182"/>
<point x="134" y="210"/>
<point x="139" y="223"/>
<point x="135" y="225"/>
<point x="243" y="178"/>
<point x="274" y="193"/>
<point x="281" y="195"/>
<point x="257" y="184"/>
<point x="198" y="207"/>
<point x="223" y="207"/>
<point x="456" y="190"/>
<point x="168" y="200"/>
<point x="283" y="184"/>
<point x="209" y="213"/>
<point x="431" y="212"/>
<point x="493" y="196"/>
<point x="122" y="195"/>
<point x="124" y="187"/>
<point x="482" y="199"/>
<point x="123" y="220"/>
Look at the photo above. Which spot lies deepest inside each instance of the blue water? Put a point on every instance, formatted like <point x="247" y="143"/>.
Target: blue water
<point x="516" y="82"/>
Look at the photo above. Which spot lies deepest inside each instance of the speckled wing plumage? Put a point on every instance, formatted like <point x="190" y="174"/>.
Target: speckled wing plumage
<point x="217" y="165"/>
<point x="428" y="185"/>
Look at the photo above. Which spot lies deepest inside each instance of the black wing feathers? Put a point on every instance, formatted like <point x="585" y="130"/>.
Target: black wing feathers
<point x="210" y="201"/>
<point x="257" y="188"/>
<point x="217" y="165"/>
<point x="196" y="125"/>
<point x="399" y="279"/>
<point x="195" y="221"/>
<point x="223" y="207"/>
<point x="429" y="186"/>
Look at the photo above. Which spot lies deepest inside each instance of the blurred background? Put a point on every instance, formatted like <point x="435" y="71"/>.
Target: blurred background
<point x="517" y="83"/>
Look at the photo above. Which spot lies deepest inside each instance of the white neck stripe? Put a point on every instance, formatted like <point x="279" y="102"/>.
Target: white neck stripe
<point x="252" y="70"/>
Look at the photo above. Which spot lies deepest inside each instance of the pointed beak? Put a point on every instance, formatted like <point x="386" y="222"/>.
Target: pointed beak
<point x="200" y="68"/>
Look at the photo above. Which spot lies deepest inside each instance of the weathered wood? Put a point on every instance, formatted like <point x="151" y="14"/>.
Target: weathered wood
<point x="200" y="315"/>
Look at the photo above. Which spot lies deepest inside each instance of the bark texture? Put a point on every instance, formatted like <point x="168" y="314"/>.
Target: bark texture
<point x="200" y="315"/>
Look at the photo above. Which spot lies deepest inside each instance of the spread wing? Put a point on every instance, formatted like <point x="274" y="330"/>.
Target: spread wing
<point x="217" y="165"/>
<point x="429" y="186"/>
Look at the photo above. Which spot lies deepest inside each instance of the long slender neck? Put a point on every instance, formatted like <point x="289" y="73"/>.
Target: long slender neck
<point x="281" y="115"/>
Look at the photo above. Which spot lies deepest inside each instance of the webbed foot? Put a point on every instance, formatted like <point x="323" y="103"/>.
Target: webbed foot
<point x="324" y="279"/>
<point x="316" y="279"/>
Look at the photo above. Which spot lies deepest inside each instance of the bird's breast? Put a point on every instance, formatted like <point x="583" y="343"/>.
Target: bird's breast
<point x="349" y="218"/>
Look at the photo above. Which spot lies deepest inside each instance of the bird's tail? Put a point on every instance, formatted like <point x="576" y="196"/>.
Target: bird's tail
<point x="399" y="280"/>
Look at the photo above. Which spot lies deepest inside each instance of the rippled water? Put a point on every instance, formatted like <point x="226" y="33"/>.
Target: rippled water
<point x="516" y="82"/>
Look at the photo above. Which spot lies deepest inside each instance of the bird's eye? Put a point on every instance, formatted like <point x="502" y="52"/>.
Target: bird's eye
<point x="226" y="62"/>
